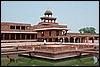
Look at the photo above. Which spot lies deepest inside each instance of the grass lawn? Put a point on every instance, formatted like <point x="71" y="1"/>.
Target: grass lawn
<point x="33" y="61"/>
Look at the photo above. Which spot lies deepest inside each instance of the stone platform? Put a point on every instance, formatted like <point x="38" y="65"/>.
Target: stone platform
<point x="58" y="51"/>
<point x="53" y="51"/>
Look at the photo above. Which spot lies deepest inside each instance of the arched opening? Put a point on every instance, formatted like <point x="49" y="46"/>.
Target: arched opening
<point x="42" y="40"/>
<point x="61" y="39"/>
<point x="96" y="39"/>
<point x="77" y="40"/>
<point x="6" y="36"/>
<point x="71" y="40"/>
<point x="91" y="40"/>
<point x="12" y="36"/>
<point x="56" y="39"/>
<point x="39" y="40"/>
<point x="18" y="37"/>
<point x="45" y="39"/>
<point x="83" y="39"/>
<point x="1" y="36"/>
<point x="50" y="40"/>
<point x="66" y="39"/>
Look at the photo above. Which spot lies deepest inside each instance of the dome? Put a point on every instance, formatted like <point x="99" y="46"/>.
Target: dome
<point x="48" y="12"/>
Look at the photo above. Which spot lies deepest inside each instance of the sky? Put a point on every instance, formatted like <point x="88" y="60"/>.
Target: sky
<point x="74" y="14"/>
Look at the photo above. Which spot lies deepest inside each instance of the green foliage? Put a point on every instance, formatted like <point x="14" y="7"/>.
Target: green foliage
<point x="87" y="30"/>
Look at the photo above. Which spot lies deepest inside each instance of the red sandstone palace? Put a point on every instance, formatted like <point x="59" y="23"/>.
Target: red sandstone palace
<point x="47" y="29"/>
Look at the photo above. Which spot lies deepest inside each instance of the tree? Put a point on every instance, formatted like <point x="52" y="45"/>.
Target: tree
<point x="87" y="30"/>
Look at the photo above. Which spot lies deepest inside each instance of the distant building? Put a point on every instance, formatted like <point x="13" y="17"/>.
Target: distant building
<point x="47" y="29"/>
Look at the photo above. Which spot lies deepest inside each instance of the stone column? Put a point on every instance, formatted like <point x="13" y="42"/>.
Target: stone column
<point x="58" y="38"/>
<point x="34" y="36"/>
<point x="69" y="39"/>
<point x="74" y="39"/>
<point x="15" y="36"/>
<point x="87" y="38"/>
<point x="63" y="39"/>
<point x="25" y="36"/>
<point x="30" y="36"/>
<point x="47" y="39"/>
<point x="53" y="39"/>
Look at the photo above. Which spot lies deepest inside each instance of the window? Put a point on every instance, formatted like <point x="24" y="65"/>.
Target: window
<point x="6" y="36"/>
<point x="32" y="36"/>
<point x="12" y="36"/>
<point x="17" y="27"/>
<point x="27" y="27"/>
<point x="1" y="36"/>
<point x="28" y="36"/>
<point x="56" y="39"/>
<point x="50" y="40"/>
<point x="42" y="33"/>
<point x="23" y="36"/>
<point x="57" y="33"/>
<point x="49" y="33"/>
<point x="64" y="32"/>
<point x="12" y="27"/>
<point x="18" y="36"/>
<point x="23" y="27"/>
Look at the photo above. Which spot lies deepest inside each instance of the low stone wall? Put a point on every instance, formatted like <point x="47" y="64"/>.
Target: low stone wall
<point x="54" y="48"/>
<point x="55" y="56"/>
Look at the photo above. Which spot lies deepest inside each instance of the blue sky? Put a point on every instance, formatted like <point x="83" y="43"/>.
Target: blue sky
<point x="74" y="14"/>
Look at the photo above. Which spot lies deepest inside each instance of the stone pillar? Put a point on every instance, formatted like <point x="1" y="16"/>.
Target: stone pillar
<point x="34" y="36"/>
<point x="30" y="36"/>
<point x="63" y="39"/>
<point x="25" y="36"/>
<point x="15" y="36"/>
<point x="74" y="39"/>
<point x="87" y="38"/>
<point x="47" y="39"/>
<point x="69" y="39"/>
<point x="58" y="38"/>
<point x="53" y="39"/>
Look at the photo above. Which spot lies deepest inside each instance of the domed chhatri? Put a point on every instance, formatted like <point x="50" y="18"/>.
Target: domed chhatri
<point x="48" y="12"/>
<point x="48" y="16"/>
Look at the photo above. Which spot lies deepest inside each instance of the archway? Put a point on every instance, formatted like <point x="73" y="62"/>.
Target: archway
<point x="61" y="39"/>
<point x="77" y="40"/>
<point x="71" y="40"/>
<point x="83" y="39"/>
<point x="50" y="40"/>
<point x="56" y="39"/>
<point x="91" y="40"/>
<point x="66" y="39"/>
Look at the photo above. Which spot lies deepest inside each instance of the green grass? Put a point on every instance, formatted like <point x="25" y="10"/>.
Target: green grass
<point x="33" y="61"/>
